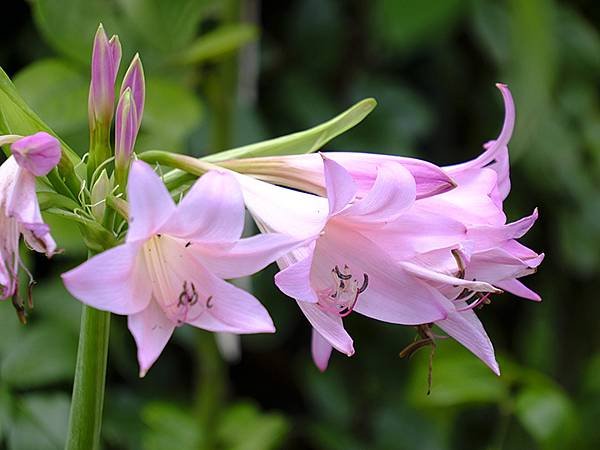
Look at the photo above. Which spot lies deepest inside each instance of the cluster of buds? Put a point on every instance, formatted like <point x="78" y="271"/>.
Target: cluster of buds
<point x="106" y="58"/>
<point x="394" y="239"/>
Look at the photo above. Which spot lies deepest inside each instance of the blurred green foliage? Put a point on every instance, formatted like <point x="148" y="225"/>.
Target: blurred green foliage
<point x="432" y="67"/>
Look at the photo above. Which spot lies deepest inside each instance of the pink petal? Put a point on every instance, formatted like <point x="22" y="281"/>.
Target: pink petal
<point x="212" y="210"/>
<point x="281" y="210"/>
<point x="23" y="205"/>
<point x="340" y="186"/>
<point x="485" y="237"/>
<point x="38" y="153"/>
<point x="321" y="350"/>
<point x="244" y="257"/>
<point x="231" y="310"/>
<point x="393" y="192"/>
<point x="150" y="204"/>
<point x="418" y="232"/>
<point x="392" y="295"/>
<point x="115" y="280"/>
<point x="330" y="327"/>
<point x="466" y="328"/>
<point x="363" y="167"/>
<point x="151" y="330"/>
<point x="497" y="265"/>
<point x="294" y="280"/>
<point x="470" y="202"/>
<point x="517" y="288"/>
<point x="443" y="279"/>
<point x="495" y="156"/>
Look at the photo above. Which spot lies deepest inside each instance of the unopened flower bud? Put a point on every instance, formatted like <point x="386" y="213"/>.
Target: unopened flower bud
<point x="106" y="57"/>
<point x="134" y="81"/>
<point x="38" y="153"/>
<point x="100" y="191"/>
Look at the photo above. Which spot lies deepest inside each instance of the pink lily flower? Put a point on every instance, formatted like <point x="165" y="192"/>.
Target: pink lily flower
<point x="489" y="251"/>
<point x="171" y="269"/>
<point x="346" y="266"/>
<point x="20" y="213"/>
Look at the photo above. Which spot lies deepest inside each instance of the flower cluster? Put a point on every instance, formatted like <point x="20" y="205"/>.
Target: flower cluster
<point x="394" y="239"/>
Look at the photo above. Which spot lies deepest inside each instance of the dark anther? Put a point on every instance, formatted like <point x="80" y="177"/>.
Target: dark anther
<point x="188" y="244"/>
<point x="340" y="275"/>
<point x="194" y="297"/>
<point x="459" y="263"/>
<point x="342" y="284"/>
<point x="159" y="235"/>
<point x="209" y="302"/>
<point x="365" y="284"/>
<point x="20" y="309"/>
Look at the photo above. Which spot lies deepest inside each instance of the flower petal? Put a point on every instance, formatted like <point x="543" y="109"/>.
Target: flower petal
<point x="321" y="350"/>
<point x="151" y="330"/>
<point x="517" y="288"/>
<point x="443" y="279"/>
<point x="417" y="232"/>
<point x="212" y="211"/>
<point x="393" y="192"/>
<point x="466" y="328"/>
<point x="391" y="294"/>
<point x="230" y="309"/>
<point x="294" y="280"/>
<point x="244" y="257"/>
<point x="115" y="280"/>
<point x="340" y="186"/>
<point x="281" y="210"/>
<point x="329" y="326"/>
<point x="23" y="205"/>
<point x="495" y="156"/>
<point x="38" y="153"/>
<point x="485" y="237"/>
<point x="150" y="204"/>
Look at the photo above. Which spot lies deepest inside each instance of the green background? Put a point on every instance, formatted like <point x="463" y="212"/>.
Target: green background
<point x="432" y="68"/>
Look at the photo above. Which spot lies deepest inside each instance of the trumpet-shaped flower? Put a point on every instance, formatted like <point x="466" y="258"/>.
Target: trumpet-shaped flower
<point x="489" y="251"/>
<point x="347" y="266"/>
<point x="20" y="213"/>
<point x="171" y="269"/>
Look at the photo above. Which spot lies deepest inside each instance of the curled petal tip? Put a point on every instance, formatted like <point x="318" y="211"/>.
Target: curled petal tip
<point x="501" y="86"/>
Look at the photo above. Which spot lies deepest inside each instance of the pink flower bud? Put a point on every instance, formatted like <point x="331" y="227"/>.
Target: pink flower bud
<point x="106" y="57"/>
<point x="38" y="153"/>
<point x="134" y="81"/>
<point x="126" y="128"/>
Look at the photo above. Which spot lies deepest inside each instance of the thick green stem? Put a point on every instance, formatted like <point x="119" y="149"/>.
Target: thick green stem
<point x="211" y="388"/>
<point x="85" y="421"/>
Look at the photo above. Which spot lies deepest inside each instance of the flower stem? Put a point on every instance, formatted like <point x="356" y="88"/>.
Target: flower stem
<point x="211" y="388"/>
<point x="85" y="420"/>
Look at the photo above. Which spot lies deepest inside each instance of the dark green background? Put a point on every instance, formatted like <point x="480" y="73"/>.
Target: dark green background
<point x="432" y="66"/>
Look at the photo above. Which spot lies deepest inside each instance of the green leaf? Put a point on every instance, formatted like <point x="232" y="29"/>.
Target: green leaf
<point x="170" y="427"/>
<point x="45" y="355"/>
<point x="453" y="365"/>
<point x="218" y="43"/>
<point x="171" y="113"/>
<point x="57" y="91"/>
<point x="16" y="117"/>
<point x="547" y="413"/>
<point x="306" y="141"/>
<point x="244" y="427"/>
<point x="177" y="20"/>
<point x="40" y="422"/>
